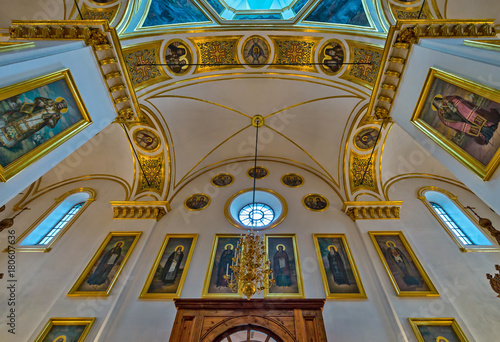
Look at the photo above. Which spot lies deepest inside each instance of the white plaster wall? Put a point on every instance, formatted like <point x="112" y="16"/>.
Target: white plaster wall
<point x="418" y="65"/>
<point x="463" y="9"/>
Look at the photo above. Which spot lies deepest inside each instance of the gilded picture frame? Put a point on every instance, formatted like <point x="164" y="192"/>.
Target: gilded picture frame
<point x="220" y="260"/>
<point x="405" y="272"/>
<point x="437" y="329"/>
<point x="37" y="116"/>
<point x="287" y="272"/>
<point x="461" y="116"/>
<point x="98" y="277"/>
<point x="349" y="286"/>
<point x="61" y="329"/>
<point x="176" y="283"/>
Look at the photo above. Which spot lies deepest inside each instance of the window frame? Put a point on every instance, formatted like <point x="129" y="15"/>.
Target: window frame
<point x="58" y="201"/>
<point x="494" y="247"/>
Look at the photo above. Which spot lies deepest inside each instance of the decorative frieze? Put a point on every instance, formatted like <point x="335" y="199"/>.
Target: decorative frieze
<point x="123" y="210"/>
<point x="376" y="210"/>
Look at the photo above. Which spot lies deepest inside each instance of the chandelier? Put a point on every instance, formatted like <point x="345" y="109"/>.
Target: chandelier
<point x="251" y="269"/>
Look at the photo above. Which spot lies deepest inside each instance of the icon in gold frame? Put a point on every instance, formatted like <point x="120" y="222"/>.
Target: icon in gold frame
<point x="168" y="274"/>
<point x="66" y="329"/>
<point x="437" y="329"/>
<point x="462" y="117"/>
<point x="407" y="275"/>
<point x="339" y="273"/>
<point x="100" y="275"/>
<point x="37" y="116"/>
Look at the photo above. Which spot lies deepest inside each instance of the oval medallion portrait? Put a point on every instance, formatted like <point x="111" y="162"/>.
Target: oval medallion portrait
<point x="258" y="172"/>
<point x="147" y="140"/>
<point x="292" y="180"/>
<point x="366" y="139"/>
<point x="197" y="202"/>
<point x="331" y="56"/>
<point x="256" y="51"/>
<point x="222" y="180"/>
<point x="315" y="202"/>
<point x="178" y="56"/>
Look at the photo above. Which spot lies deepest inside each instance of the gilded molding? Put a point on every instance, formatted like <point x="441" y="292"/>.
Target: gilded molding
<point x="398" y="45"/>
<point x="139" y="210"/>
<point x="107" y="52"/>
<point x="376" y="210"/>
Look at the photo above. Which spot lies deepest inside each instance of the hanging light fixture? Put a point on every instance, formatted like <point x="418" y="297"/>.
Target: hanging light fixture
<point x="251" y="269"/>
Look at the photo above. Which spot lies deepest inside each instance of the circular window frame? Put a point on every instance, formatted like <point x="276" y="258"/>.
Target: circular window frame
<point x="275" y="222"/>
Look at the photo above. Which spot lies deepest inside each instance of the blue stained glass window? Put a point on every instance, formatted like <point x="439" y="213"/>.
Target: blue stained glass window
<point x="60" y="224"/>
<point x="256" y="216"/>
<point x="451" y="224"/>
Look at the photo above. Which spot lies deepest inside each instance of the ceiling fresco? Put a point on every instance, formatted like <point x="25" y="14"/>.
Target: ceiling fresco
<point x="360" y="14"/>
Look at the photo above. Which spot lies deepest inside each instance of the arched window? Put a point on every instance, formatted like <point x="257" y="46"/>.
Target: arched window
<point x="49" y="228"/>
<point x="455" y="220"/>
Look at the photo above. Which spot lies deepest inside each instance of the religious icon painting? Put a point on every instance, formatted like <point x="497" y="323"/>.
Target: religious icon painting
<point x="462" y="117"/>
<point x="101" y="273"/>
<point x="437" y="330"/>
<point x="219" y="267"/>
<point x="315" y="202"/>
<point x="178" y="57"/>
<point x="331" y="56"/>
<point x="283" y="254"/>
<point x="338" y="270"/>
<point x="367" y="138"/>
<point x="258" y="172"/>
<point x="256" y="51"/>
<point x="147" y="140"/>
<point x="66" y="330"/>
<point x="292" y="180"/>
<point x="37" y="116"/>
<point x="169" y="271"/>
<point x="197" y="202"/>
<point x="407" y="275"/>
<point x="222" y="179"/>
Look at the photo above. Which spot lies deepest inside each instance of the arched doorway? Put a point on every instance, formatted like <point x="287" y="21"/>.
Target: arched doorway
<point x="248" y="333"/>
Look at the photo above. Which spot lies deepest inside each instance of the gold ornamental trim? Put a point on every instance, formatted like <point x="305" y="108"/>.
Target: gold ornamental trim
<point x="372" y="210"/>
<point x="400" y="40"/>
<point x="139" y="210"/>
<point x="107" y="52"/>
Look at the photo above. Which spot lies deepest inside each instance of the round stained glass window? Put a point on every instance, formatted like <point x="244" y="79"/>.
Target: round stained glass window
<point x="258" y="215"/>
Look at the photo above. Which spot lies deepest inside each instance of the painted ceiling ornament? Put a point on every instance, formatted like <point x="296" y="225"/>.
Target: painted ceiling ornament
<point x="495" y="280"/>
<point x="332" y="57"/>
<point x="197" y="202"/>
<point x="178" y="56"/>
<point x="222" y="179"/>
<point x="261" y="172"/>
<point x="367" y="138"/>
<point x="292" y="180"/>
<point x="315" y="202"/>
<point x="147" y="140"/>
<point x="256" y="50"/>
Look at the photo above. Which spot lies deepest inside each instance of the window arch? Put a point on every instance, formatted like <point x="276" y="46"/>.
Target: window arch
<point x="455" y="219"/>
<point x="49" y="228"/>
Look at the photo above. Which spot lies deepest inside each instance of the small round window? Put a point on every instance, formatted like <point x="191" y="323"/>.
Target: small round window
<point x="258" y="215"/>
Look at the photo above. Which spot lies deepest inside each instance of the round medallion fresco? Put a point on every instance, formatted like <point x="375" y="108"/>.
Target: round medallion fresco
<point x="147" y="140"/>
<point x="197" y="202"/>
<point x="256" y="50"/>
<point x="315" y="202"/>
<point x="178" y="56"/>
<point x="222" y="180"/>
<point x="292" y="180"/>
<point x="366" y="139"/>
<point x="331" y="56"/>
<point x="258" y="173"/>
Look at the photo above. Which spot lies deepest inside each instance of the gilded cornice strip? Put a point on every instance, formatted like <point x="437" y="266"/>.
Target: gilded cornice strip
<point x="107" y="51"/>
<point x="372" y="210"/>
<point x="398" y="45"/>
<point x="138" y="210"/>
